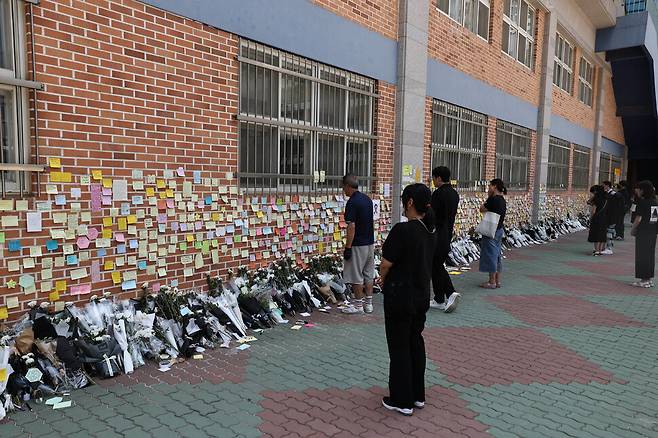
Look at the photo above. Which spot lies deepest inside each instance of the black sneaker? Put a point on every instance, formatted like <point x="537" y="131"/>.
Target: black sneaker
<point x="386" y="402"/>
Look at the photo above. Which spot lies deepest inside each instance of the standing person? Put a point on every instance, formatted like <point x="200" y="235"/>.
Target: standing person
<point x="598" y="229"/>
<point x="359" y="253"/>
<point x="626" y="197"/>
<point x="645" y="227"/>
<point x="615" y="205"/>
<point x="445" y="201"/>
<point x="491" y="254"/>
<point x="406" y="271"/>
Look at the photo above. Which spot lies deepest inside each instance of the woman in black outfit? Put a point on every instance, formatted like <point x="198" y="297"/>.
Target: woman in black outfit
<point x="491" y="249"/>
<point x="406" y="271"/>
<point x="645" y="227"/>
<point x="598" y="228"/>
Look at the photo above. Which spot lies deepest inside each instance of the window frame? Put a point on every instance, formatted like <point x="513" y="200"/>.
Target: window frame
<point x="462" y="18"/>
<point x="553" y="143"/>
<point x="607" y="157"/>
<point x="520" y="31"/>
<point x="584" y="83"/>
<point x="520" y="134"/>
<point x="581" y="150"/>
<point x="459" y="119"/>
<point x="354" y="101"/>
<point x="558" y="61"/>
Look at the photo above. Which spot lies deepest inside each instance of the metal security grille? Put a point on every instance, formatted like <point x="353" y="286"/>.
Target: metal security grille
<point x="558" y="164"/>
<point x="458" y="139"/>
<point x="604" y="167"/>
<point x="581" y="164"/>
<point x="512" y="154"/>
<point x="303" y="124"/>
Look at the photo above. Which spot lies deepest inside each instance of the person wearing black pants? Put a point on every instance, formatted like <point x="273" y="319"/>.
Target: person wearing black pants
<point x="645" y="228"/>
<point x="445" y="201"/>
<point x="625" y="194"/>
<point x="405" y="273"/>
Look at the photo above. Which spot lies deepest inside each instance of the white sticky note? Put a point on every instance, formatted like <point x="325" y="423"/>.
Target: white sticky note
<point x="119" y="190"/>
<point x="34" y="222"/>
<point x="9" y="221"/>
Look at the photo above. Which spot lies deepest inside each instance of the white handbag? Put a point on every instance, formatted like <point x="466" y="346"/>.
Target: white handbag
<point x="489" y="224"/>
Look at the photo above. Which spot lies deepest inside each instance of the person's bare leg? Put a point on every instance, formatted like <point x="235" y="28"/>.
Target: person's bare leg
<point x="357" y="290"/>
<point x="492" y="278"/>
<point x="497" y="279"/>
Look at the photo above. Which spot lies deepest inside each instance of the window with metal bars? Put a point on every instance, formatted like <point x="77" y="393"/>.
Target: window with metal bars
<point x="558" y="164"/>
<point x="563" y="69"/>
<point x="585" y="82"/>
<point x="581" y="165"/>
<point x="519" y="31"/>
<point x="303" y="124"/>
<point x="604" y="167"/>
<point x="14" y="113"/>
<point x="512" y="154"/>
<point x="458" y="139"/>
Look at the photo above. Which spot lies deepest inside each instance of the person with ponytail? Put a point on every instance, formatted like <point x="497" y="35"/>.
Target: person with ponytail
<point x="405" y="275"/>
<point x="491" y="254"/>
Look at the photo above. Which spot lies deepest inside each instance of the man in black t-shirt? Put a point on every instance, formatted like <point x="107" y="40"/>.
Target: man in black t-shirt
<point x="445" y="201"/>
<point x="359" y="253"/>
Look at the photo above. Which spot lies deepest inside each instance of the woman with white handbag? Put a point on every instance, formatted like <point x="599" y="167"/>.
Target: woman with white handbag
<point x="491" y="228"/>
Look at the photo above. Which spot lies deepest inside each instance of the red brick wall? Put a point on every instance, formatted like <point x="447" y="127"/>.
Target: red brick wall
<point x="378" y="15"/>
<point x="456" y="46"/>
<point x="129" y="87"/>
<point x="612" y="126"/>
<point x="569" y="106"/>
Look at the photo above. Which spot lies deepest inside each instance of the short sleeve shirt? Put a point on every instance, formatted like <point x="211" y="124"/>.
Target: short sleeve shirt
<point x="358" y="210"/>
<point x="648" y="210"/>
<point x="497" y="204"/>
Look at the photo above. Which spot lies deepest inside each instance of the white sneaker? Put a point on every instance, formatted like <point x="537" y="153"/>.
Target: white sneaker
<point x="353" y="310"/>
<point x="642" y="284"/>
<point x="367" y="307"/>
<point x="438" y="306"/>
<point x="404" y="411"/>
<point x="606" y="252"/>
<point x="419" y="405"/>
<point x="453" y="300"/>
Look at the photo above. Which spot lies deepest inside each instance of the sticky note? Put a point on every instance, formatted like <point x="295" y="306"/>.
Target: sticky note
<point x="14" y="245"/>
<point x="2" y="237"/>
<point x="11" y="303"/>
<point x="60" y="285"/>
<point x="51" y="245"/>
<point x="116" y="277"/>
<point x="9" y="221"/>
<point x="54" y="162"/>
<point x="81" y="289"/>
<point x="34" y="222"/>
<point x="53" y="296"/>
<point x="3" y="315"/>
<point x="6" y="204"/>
<point x="107" y="221"/>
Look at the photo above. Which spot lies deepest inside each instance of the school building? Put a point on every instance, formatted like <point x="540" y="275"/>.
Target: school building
<point x="154" y="141"/>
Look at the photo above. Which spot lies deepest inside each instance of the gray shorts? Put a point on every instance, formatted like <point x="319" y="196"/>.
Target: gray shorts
<point x="360" y="269"/>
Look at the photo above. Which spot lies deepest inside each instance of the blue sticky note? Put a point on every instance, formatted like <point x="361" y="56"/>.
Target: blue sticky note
<point x="130" y="284"/>
<point x="138" y="200"/>
<point x="51" y="245"/>
<point x="174" y="283"/>
<point x="197" y="177"/>
<point x="102" y="252"/>
<point x="141" y="265"/>
<point x="14" y="245"/>
<point x="134" y="244"/>
<point x="60" y="200"/>
<point x="125" y="209"/>
<point x="71" y="260"/>
<point x="162" y="228"/>
<point x="121" y="248"/>
<point x="208" y="200"/>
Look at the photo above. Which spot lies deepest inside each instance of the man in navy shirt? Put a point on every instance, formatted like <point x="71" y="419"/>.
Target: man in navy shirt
<point x="359" y="254"/>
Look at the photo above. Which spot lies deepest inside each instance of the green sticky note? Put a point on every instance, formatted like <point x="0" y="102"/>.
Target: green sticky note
<point x="2" y="237"/>
<point x="205" y="247"/>
<point x="197" y="244"/>
<point x="237" y="238"/>
<point x="182" y="246"/>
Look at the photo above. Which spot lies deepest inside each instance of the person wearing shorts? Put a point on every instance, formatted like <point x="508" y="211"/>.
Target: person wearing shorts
<point x="359" y="253"/>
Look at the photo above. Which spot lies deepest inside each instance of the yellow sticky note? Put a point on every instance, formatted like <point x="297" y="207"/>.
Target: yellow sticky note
<point x="116" y="277"/>
<point x="109" y="265"/>
<point x="122" y="223"/>
<point x="215" y="216"/>
<point x="161" y="184"/>
<point x="150" y="191"/>
<point x="170" y="193"/>
<point x="190" y="238"/>
<point x="132" y="219"/>
<point x="107" y="233"/>
<point x="65" y="177"/>
<point x="60" y="285"/>
<point x="97" y="175"/>
<point x="337" y="236"/>
<point x="107" y="221"/>
<point x="259" y="214"/>
<point x="3" y="315"/>
<point x="55" y="163"/>
<point x="3" y="371"/>
<point x="55" y="176"/>
<point x="53" y="296"/>
<point x="107" y="183"/>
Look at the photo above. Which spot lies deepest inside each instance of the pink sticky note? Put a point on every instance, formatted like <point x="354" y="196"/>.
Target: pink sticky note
<point x="162" y="218"/>
<point x="92" y="233"/>
<point x="156" y="287"/>
<point x="119" y="237"/>
<point x="83" y="242"/>
<point x="95" y="190"/>
<point x="107" y="191"/>
<point x="107" y="200"/>
<point x="170" y="203"/>
<point x="81" y="290"/>
<point x="95" y="271"/>
<point x="180" y="171"/>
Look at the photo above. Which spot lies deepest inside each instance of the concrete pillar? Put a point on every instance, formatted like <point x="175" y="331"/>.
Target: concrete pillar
<point x="598" y="127"/>
<point x="544" y="117"/>
<point x="410" y="97"/>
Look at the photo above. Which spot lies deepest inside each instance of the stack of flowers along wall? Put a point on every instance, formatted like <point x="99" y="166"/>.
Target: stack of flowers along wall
<point x="138" y="134"/>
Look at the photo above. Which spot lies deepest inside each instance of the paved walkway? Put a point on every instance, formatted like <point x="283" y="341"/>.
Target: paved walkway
<point x="566" y="348"/>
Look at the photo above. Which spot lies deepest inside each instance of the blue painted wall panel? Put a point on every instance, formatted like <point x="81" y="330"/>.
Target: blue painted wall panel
<point x="613" y="148"/>
<point x="566" y="130"/>
<point x="297" y="26"/>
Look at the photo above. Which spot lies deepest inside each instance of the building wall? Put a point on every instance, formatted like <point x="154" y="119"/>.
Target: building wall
<point x="612" y="125"/>
<point x="379" y="16"/>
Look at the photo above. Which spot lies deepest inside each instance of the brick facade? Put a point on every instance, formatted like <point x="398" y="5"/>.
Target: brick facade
<point x="612" y="125"/>
<point x="377" y="15"/>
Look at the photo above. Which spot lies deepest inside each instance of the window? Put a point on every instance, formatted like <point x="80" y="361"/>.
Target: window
<point x="585" y="81"/>
<point x="581" y="160"/>
<point x="303" y="124"/>
<point x="472" y="14"/>
<point x="558" y="164"/>
<point x="604" y="167"/>
<point x="458" y="139"/>
<point x="14" y="120"/>
<point x="615" y="169"/>
<point x="563" y="70"/>
<point x="512" y="153"/>
<point x="519" y="31"/>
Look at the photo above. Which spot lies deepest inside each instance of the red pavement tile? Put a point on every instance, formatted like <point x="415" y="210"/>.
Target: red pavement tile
<point x="561" y="311"/>
<point x="489" y="356"/>
<point x="592" y="284"/>
<point x="324" y="412"/>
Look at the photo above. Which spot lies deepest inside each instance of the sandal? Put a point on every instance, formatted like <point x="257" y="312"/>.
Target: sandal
<point x="488" y="286"/>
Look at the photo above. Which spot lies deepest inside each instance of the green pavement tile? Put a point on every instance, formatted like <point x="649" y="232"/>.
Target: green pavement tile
<point x="10" y="430"/>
